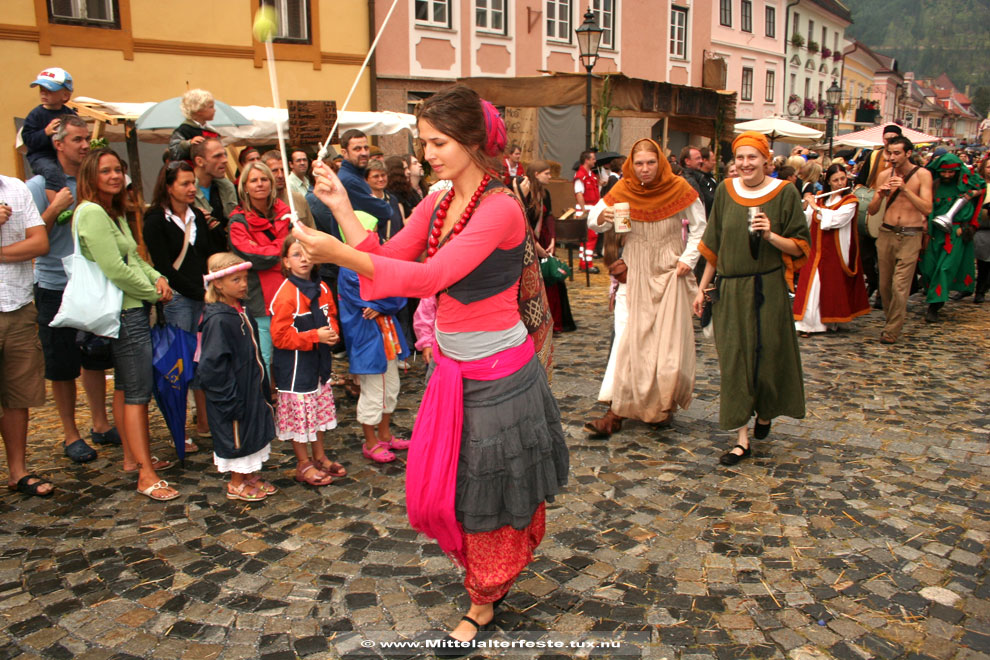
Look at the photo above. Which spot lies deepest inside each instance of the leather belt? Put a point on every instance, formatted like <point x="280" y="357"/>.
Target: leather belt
<point x="907" y="231"/>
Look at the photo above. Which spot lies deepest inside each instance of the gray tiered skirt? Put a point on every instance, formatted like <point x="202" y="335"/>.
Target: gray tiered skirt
<point x="513" y="454"/>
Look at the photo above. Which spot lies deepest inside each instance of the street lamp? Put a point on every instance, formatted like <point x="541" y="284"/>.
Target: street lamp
<point x="832" y="95"/>
<point x="589" y="38"/>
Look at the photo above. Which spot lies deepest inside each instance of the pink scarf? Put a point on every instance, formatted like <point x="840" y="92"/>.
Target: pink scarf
<point x="431" y="472"/>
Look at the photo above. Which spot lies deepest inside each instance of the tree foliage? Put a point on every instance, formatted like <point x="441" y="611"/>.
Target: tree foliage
<point x="928" y="37"/>
<point x="981" y="101"/>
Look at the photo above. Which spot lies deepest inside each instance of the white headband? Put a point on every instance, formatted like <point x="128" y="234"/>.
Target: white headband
<point x="230" y="270"/>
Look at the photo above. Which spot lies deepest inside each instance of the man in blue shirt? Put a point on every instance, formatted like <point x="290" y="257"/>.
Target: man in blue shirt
<point x="355" y="149"/>
<point x="64" y="359"/>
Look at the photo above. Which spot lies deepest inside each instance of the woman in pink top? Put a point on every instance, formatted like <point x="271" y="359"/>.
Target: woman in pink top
<point x="488" y="449"/>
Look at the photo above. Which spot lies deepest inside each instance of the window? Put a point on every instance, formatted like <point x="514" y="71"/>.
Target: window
<point x="821" y="89"/>
<point x="746" y="91"/>
<point x="824" y="37"/>
<point x="605" y="15"/>
<point x="835" y="42"/>
<point x="725" y="12"/>
<point x="433" y="12"/>
<point x="293" y="20"/>
<point x="811" y="31"/>
<point x="793" y="82"/>
<point x="746" y="15"/>
<point x="807" y="87"/>
<point x="489" y="15"/>
<point x="95" y="13"/>
<point x="559" y="20"/>
<point x="771" y="18"/>
<point x="678" y="32"/>
<point x="771" y="84"/>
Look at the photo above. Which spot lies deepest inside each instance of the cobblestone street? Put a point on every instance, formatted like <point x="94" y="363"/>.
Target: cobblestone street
<point x="861" y="531"/>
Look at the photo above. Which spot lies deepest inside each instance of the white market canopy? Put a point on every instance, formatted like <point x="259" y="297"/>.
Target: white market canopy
<point x="873" y="137"/>
<point x="780" y="130"/>
<point x="262" y="128"/>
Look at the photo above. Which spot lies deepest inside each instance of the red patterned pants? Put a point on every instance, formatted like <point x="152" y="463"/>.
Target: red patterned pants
<point x="496" y="558"/>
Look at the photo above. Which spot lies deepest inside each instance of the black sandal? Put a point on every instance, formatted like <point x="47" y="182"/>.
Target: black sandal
<point x="730" y="458"/>
<point x="32" y="489"/>
<point x="760" y="431"/>
<point x="455" y="648"/>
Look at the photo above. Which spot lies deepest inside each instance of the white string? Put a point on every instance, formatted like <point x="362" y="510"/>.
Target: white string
<point x="374" y="44"/>
<point x="273" y="80"/>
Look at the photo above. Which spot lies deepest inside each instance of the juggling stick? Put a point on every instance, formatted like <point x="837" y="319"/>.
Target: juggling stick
<point x="367" y="58"/>
<point x="264" y="28"/>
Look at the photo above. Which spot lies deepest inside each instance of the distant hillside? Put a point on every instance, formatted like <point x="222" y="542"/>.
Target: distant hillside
<point x="928" y="37"/>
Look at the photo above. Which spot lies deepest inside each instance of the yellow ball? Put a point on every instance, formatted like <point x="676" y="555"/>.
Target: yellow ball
<point x="265" y="23"/>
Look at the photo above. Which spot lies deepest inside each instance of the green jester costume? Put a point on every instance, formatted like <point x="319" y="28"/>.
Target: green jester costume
<point x="948" y="263"/>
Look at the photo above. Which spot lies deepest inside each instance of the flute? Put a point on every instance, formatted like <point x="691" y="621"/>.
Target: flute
<point x="832" y="192"/>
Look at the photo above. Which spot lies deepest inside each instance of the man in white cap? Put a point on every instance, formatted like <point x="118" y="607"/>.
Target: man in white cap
<point x="55" y="87"/>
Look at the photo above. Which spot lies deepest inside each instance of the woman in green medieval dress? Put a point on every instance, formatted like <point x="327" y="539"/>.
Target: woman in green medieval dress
<point x="756" y="239"/>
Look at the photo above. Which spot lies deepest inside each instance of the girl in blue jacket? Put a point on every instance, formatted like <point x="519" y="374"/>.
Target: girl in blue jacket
<point x="375" y="344"/>
<point x="233" y="379"/>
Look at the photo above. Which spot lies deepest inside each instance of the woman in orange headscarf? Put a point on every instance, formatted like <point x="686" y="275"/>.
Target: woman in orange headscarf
<point x="756" y="238"/>
<point x="652" y="365"/>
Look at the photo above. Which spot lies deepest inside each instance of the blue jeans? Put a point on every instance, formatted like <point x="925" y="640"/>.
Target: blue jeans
<point x="132" y="357"/>
<point x="183" y="312"/>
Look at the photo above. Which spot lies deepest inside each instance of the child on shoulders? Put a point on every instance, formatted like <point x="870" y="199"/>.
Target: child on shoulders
<point x="55" y="87"/>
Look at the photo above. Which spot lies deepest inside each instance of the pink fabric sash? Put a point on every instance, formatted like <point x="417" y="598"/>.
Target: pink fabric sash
<point x="431" y="472"/>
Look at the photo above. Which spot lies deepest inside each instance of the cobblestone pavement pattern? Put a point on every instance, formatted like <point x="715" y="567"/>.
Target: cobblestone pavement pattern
<point x="859" y="532"/>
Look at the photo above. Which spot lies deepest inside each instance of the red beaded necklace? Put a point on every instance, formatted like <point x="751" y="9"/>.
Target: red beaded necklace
<point x="434" y="242"/>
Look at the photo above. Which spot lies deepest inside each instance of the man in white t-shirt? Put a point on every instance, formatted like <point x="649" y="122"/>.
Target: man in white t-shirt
<point x="22" y="383"/>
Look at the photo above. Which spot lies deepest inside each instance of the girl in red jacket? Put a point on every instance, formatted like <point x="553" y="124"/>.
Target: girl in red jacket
<point x="304" y="326"/>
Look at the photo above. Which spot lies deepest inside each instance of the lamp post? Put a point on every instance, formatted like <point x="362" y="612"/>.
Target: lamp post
<point x="589" y="38"/>
<point x="833" y="95"/>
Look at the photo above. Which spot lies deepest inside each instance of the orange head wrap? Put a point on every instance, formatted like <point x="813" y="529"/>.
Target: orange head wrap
<point x="664" y="196"/>
<point x="753" y="139"/>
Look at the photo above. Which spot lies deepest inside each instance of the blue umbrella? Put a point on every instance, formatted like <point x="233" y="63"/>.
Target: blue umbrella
<point x="173" y="350"/>
<point x="167" y="114"/>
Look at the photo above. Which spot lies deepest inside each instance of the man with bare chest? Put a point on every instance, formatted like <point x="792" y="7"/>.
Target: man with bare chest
<point x="907" y="190"/>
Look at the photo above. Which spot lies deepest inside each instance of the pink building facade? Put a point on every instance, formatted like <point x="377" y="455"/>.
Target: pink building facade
<point x="741" y="41"/>
<point x="428" y="44"/>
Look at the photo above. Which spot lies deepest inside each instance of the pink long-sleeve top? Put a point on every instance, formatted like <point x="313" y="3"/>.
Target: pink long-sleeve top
<point x="497" y="223"/>
<point x="423" y="320"/>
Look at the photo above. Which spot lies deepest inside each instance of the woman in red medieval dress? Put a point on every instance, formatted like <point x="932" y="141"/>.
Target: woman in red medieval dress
<point x="830" y="288"/>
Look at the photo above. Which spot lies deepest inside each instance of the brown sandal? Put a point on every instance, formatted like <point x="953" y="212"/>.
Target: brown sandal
<point x="333" y="468"/>
<point x="309" y="474"/>
<point x="245" y="492"/>
<point x="604" y="426"/>
<point x="262" y="485"/>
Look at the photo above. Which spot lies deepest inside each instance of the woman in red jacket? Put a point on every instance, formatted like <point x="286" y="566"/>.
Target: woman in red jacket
<point x="258" y="225"/>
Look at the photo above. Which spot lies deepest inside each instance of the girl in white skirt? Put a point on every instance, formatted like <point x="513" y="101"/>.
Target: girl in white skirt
<point x="233" y="379"/>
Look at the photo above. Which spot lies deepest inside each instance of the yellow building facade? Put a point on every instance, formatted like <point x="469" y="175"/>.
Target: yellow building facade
<point x="859" y="68"/>
<point x="151" y="50"/>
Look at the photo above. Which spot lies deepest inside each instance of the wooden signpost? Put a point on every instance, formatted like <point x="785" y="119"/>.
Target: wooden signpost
<point x="522" y="128"/>
<point x="311" y="121"/>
